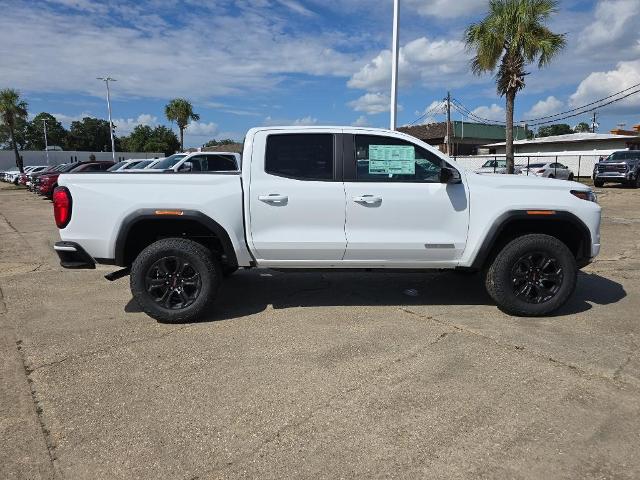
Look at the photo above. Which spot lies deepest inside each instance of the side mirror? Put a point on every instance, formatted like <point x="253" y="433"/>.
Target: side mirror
<point x="185" y="167"/>
<point x="448" y="175"/>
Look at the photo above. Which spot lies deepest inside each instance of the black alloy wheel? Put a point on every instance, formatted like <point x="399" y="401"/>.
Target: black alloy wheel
<point x="537" y="277"/>
<point x="173" y="282"/>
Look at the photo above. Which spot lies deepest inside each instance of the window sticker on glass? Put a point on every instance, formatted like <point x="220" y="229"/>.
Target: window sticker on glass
<point x="392" y="159"/>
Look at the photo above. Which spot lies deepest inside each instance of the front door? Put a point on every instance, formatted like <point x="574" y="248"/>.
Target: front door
<point x="296" y="198"/>
<point x="397" y="211"/>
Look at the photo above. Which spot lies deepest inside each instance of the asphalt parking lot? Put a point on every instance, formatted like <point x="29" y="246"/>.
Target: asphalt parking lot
<point x="309" y="375"/>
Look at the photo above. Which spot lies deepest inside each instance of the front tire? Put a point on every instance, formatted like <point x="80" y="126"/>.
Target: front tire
<point x="175" y="280"/>
<point x="598" y="183"/>
<point x="532" y="276"/>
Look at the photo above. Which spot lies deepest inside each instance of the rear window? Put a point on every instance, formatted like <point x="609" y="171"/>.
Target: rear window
<point x="307" y="156"/>
<point x="537" y="165"/>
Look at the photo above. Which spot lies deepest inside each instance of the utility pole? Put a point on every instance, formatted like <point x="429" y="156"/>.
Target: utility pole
<point x="46" y="143"/>
<point x="449" y="123"/>
<point x="106" y="80"/>
<point x="395" y="51"/>
<point x="594" y="124"/>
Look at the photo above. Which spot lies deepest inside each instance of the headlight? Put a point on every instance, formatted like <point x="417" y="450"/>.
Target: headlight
<point x="587" y="195"/>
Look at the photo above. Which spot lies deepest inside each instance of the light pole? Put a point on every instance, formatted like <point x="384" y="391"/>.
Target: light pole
<point x="46" y="143"/>
<point x="106" y="80"/>
<point x="394" y="64"/>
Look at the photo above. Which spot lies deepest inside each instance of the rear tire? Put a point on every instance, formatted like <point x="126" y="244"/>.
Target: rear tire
<point x="532" y="276"/>
<point x="175" y="280"/>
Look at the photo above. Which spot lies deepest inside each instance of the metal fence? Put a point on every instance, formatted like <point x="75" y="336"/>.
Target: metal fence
<point x="581" y="163"/>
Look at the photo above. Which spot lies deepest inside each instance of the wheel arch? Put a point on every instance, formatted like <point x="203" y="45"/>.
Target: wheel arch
<point x="144" y="226"/>
<point x="565" y="226"/>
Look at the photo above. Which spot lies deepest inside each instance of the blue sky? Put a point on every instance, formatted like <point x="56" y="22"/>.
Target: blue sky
<point x="264" y="62"/>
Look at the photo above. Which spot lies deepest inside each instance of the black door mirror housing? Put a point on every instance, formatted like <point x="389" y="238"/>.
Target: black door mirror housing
<point x="448" y="175"/>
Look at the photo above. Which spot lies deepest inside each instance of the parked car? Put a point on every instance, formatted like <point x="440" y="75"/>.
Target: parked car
<point x="33" y="181"/>
<point x="328" y="198"/>
<point x="14" y="175"/>
<point x="166" y="164"/>
<point x="139" y="166"/>
<point x="4" y="176"/>
<point x="121" y="165"/>
<point x="23" y="178"/>
<point x="548" y="170"/>
<point x="493" y="166"/>
<point x="619" y="167"/>
<point x="50" y="181"/>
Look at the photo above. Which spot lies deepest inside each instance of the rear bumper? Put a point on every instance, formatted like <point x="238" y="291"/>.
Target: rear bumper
<point x="73" y="255"/>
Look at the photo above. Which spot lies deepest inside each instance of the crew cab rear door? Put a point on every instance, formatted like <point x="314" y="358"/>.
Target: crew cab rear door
<point x="296" y="197"/>
<point x="397" y="211"/>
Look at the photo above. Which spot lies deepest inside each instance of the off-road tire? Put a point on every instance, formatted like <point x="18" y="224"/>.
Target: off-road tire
<point x="199" y="258"/>
<point x="500" y="284"/>
<point x="598" y="183"/>
<point x="635" y="182"/>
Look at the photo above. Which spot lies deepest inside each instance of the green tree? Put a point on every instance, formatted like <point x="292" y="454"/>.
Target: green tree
<point x="143" y="138"/>
<point x="13" y="110"/>
<point x="555" y="129"/>
<point x="34" y="134"/>
<point x="91" y="134"/>
<point x="512" y="35"/>
<point x="215" y="143"/>
<point x="180" y="110"/>
<point x="582" y="127"/>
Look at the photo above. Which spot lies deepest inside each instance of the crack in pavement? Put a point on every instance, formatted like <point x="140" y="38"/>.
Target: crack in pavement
<point x="46" y="433"/>
<point x="106" y="349"/>
<point x="373" y="372"/>
<point x="616" y="381"/>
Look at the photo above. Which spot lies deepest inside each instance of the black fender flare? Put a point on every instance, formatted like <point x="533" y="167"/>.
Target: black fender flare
<point x="149" y="214"/>
<point x="503" y="221"/>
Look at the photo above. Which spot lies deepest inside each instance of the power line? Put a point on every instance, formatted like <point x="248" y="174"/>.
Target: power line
<point x="429" y="112"/>
<point x="584" y="106"/>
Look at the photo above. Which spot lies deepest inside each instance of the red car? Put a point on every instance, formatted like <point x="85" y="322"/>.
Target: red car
<point x="49" y="181"/>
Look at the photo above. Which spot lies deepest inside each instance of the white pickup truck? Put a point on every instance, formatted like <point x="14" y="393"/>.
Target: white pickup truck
<point x="328" y="198"/>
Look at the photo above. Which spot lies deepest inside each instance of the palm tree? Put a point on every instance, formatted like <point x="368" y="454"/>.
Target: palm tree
<point x="12" y="110"/>
<point x="180" y="110"/>
<point x="512" y="35"/>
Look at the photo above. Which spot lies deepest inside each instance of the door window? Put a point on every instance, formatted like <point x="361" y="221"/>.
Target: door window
<point x="386" y="159"/>
<point x="300" y="156"/>
<point x="213" y="163"/>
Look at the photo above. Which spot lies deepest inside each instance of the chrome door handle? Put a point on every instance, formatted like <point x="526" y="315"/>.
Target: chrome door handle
<point x="367" y="199"/>
<point x="273" y="198"/>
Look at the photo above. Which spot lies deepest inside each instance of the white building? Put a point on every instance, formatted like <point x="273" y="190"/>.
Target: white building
<point x="573" y="142"/>
<point x="37" y="157"/>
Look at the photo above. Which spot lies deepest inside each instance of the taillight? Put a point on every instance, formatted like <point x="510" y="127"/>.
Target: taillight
<point x="542" y="170"/>
<point x="61" y="206"/>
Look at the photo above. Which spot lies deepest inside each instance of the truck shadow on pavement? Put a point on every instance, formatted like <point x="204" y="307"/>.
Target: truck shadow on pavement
<point x="250" y="292"/>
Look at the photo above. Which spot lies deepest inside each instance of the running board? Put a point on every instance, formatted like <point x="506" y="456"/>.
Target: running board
<point x="117" y="274"/>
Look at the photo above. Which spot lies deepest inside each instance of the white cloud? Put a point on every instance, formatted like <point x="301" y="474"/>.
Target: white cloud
<point x="67" y="119"/>
<point x="308" y="120"/>
<point x="297" y="7"/>
<point x="218" y="54"/>
<point x="602" y="84"/>
<point x="361" y="121"/>
<point x="371" y="103"/>
<point x="613" y="29"/>
<point x="545" y="107"/>
<point x="449" y="8"/>
<point x="430" y="62"/>
<point x="494" y="112"/>
<point x="202" y="129"/>
<point x="124" y="126"/>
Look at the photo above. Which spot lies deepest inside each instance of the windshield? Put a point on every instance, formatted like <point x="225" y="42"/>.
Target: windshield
<point x="169" y="161"/>
<point x="622" y="156"/>
<point x="144" y="164"/>
<point x="132" y="164"/>
<point x="67" y="167"/>
<point x="494" y="163"/>
<point x="116" y="166"/>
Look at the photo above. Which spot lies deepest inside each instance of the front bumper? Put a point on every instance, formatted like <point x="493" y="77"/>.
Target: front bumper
<point x="617" y="177"/>
<point x="73" y="255"/>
